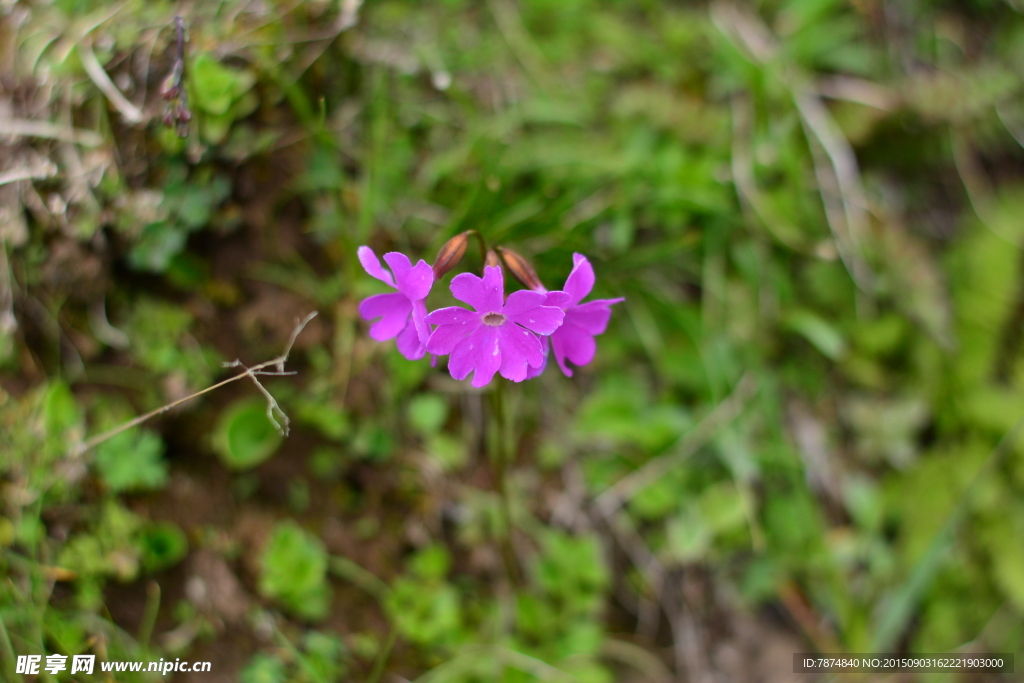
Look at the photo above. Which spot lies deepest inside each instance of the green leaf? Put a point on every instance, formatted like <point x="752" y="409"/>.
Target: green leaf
<point x="428" y="412"/>
<point x="161" y="545"/>
<point x="244" y="436"/>
<point x="689" y="538"/>
<point x="215" y="128"/>
<point x="199" y="201"/>
<point x="431" y="563"/>
<point x="820" y="333"/>
<point x="722" y="507"/>
<point x="572" y="568"/>
<point x="69" y="634"/>
<point x="327" y="462"/>
<point x="60" y="410"/>
<point x="157" y="245"/>
<point x="1002" y="538"/>
<point x="263" y="668"/>
<point x="447" y="450"/>
<point x="294" y="571"/>
<point x="132" y="460"/>
<point x="325" y="656"/>
<point x="619" y="413"/>
<point x="216" y="87"/>
<point x="323" y="415"/>
<point x="428" y="614"/>
<point x="659" y="498"/>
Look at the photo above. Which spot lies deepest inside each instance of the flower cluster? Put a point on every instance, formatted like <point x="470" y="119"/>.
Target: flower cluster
<point x="507" y="336"/>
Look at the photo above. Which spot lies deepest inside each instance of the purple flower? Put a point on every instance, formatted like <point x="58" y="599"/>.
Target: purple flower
<point x="402" y="314"/>
<point x="574" y="340"/>
<point x="498" y="336"/>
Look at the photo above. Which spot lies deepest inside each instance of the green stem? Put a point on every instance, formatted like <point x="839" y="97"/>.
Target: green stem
<point x="502" y="456"/>
<point x="382" y="658"/>
<point x="303" y="661"/>
<point x="483" y="244"/>
<point x="350" y="571"/>
<point x="149" y="616"/>
<point x="8" y="650"/>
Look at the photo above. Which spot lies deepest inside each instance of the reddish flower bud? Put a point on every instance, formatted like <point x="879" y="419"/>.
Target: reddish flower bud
<point x="492" y="259"/>
<point x="521" y="269"/>
<point x="450" y="254"/>
<point x="169" y="88"/>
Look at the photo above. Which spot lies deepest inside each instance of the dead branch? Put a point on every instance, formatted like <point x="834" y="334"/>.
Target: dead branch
<point x="253" y="372"/>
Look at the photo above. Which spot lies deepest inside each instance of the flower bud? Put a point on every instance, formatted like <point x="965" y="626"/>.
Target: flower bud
<point x="450" y="254"/>
<point x="521" y="270"/>
<point x="492" y="259"/>
<point x="169" y="88"/>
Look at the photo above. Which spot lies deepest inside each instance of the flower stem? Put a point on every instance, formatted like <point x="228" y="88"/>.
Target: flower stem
<point x="482" y="242"/>
<point x="502" y="456"/>
<point x="382" y="656"/>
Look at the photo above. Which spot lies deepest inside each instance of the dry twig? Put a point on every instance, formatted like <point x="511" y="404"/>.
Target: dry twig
<point x="252" y="373"/>
<point x="49" y="131"/>
<point x="39" y="171"/>
<point x="129" y="111"/>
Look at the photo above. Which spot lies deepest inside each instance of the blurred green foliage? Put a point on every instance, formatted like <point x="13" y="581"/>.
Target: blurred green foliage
<point x="295" y="570"/>
<point x="244" y="436"/>
<point x="821" y="196"/>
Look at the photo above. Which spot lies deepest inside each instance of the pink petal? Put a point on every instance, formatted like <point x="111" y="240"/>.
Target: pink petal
<point x="542" y="319"/>
<point x="453" y="315"/>
<point x="558" y="299"/>
<point x="414" y="282"/>
<point x="419" y="320"/>
<point x="522" y="301"/>
<point x="372" y="266"/>
<point x="592" y="316"/>
<point x="537" y="372"/>
<point x="421" y="279"/>
<point x="478" y="353"/>
<point x="484" y="294"/>
<point x="409" y="344"/>
<point x="574" y="344"/>
<point x="580" y="280"/>
<point x="398" y="263"/>
<point x="454" y="325"/>
<point x="520" y="349"/>
<point x="393" y="310"/>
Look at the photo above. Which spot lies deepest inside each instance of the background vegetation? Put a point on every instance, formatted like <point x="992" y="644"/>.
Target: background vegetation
<point x="800" y="433"/>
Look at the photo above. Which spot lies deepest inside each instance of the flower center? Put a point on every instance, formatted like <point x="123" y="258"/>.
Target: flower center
<point x="494" y="319"/>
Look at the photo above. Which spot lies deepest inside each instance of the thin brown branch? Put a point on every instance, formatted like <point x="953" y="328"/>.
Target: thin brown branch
<point x="252" y="373"/>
